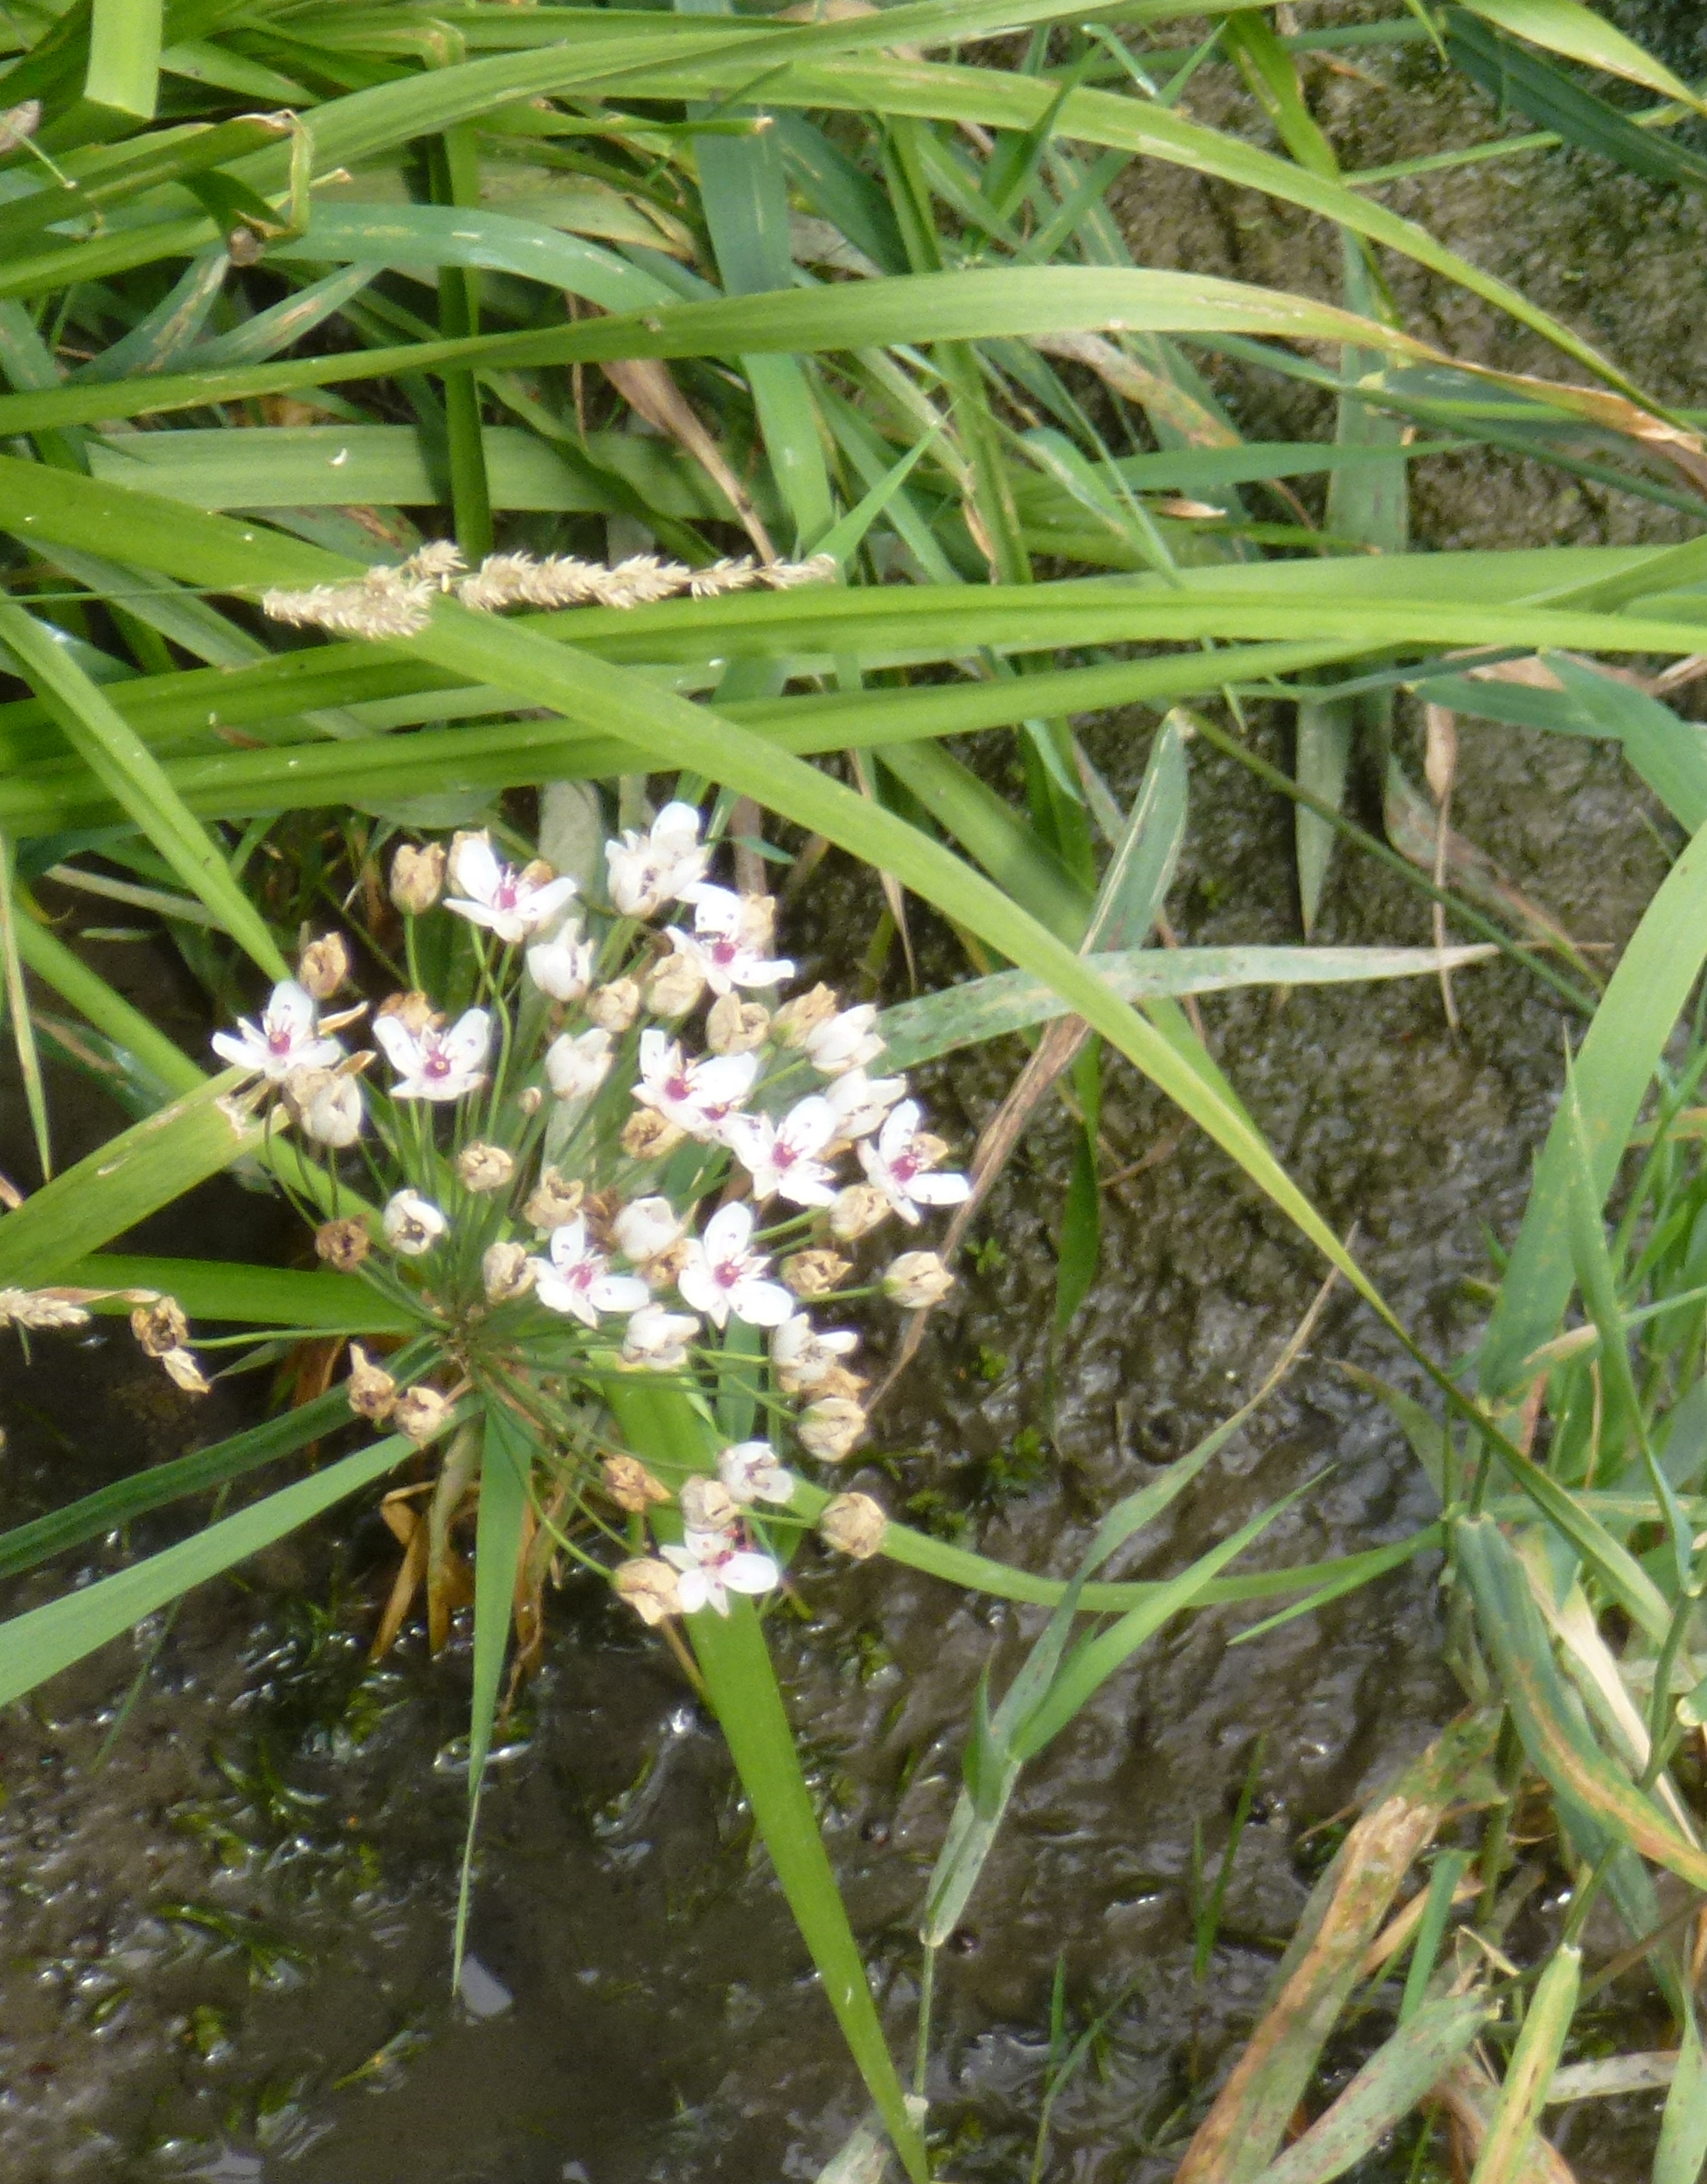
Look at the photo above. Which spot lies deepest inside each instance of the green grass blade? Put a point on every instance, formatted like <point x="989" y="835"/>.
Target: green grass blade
<point x="1547" y="2023"/>
<point x="123" y="764"/>
<point x="56" y="966"/>
<point x="38" y="1645"/>
<point x="251" y="1296"/>
<point x="124" y="56"/>
<point x="662" y="1425"/>
<point x="1613" y="1068"/>
<point x="505" y="1464"/>
<point x="13" y="914"/>
<point x="1683" y="2148"/>
<point x="1400" y="2073"/>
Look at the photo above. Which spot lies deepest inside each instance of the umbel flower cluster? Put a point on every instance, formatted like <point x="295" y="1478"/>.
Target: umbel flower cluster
<point x="609" y="1146"/>
<point x="395" y="600"/>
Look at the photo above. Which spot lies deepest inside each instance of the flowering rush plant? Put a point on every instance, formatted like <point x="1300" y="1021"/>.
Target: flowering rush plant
<point x="597" y="1141"/>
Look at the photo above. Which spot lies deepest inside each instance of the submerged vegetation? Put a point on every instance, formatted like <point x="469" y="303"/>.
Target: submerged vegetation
<point x="498" y="499"/>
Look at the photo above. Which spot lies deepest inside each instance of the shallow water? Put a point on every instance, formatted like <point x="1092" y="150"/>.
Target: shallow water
<point x="227" y="1944"/>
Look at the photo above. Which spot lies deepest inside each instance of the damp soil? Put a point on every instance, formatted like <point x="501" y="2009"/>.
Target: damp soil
<point x="228" y="1848"/>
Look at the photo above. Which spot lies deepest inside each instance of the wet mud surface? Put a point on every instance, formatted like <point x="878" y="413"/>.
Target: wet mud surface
<point x="227" y="1915"/>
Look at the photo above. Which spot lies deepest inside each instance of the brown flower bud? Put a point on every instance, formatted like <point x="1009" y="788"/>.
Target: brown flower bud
<point x="343" y="1244"/>
<point x="422" y="1412"/>
<point x="183" y="1370"/>
<point x="631" y="1486"/>
<point x="853" y="1524"/>
<point x="664" y="1269"/>
<point x="648" y="1584"/>
<point x="814" y="1274"/>
<point x="413" y="1011"/>
<point x="734" y="1026"/>
<point x="370" y="1389"/>
<point x="803" y="1014"/>
<point x="613" y="1008"/>
<point x="555" y="1200"/>
<point x="537" y="873"/>
<point x="159" y="1325"/>
<point x="674" y="986"/>
<point x="832" y="1428"/>
<point x="506" y="1272"/>
<point x="530" y="1100"/>
<point x="917" y="1280"/>
<point x="856" y="1210"/>
<point x="707" y="1505"/>
<point x="325" y="965"/>
<point x="647" y="1135"/>
<point x="836" y="1380"/>
<point x="418" y="877"/>
<point x="483" y="1166"/>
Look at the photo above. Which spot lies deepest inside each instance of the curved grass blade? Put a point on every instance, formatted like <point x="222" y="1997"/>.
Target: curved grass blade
<point x="38" y="1645"/>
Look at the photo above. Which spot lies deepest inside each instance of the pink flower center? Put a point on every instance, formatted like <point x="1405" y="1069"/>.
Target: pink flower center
<point x="679" y="1088"/>
<point x="435" y="1063"/>
<point x="280" y="1039"/>
<point x="506" y="894"/>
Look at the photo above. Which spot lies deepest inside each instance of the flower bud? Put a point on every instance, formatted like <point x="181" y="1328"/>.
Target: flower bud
<point x="837" y="1380"/>
<point x="853" y="1524"/>
<point x="323" y="965"/>
<point x="735" y="1026"/>
<point x="343" y="1244"/>
<point x="613" y="1008"/>
<point x="422" y="1412"/>
<point x="325" y="1106"/>
<point x="647" y="1135"/>
<point x="506" y="1272"/>
<point x="159" y="1325"/>
<point x="832" y="1428"/>
<point x="555" y="1200"/>
<point x="664" y="1269"/>
<point x="856" y="1210"/>
<point x="562" y="968"/>
<point x="414" y="1012"/>
<point x="631" y="1486"/>
<point x="804" y="1014"/>
<point x="814" y="1274"/>
<point x="418" y="877"/>
<point x="413" y="1224"/>
<point x="577" y="1065"/>
<point x="917" y="1280"/>
<point x="707" y="1505"/>
<point x="183" y="1372"/>
<point x="530" y="1100"/>
<point x="674" y="986"/>
<point x="646" y="1227"/>
<point x="483" y="1166"/>
<point x="648" y="1584"/>
<point x="370" y="1389"/>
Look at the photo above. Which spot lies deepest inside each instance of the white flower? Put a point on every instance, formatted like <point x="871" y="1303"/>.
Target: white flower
<point x="750" y="1473"/>
<point x="843" y="1041"/>
<point x="287" y="1037"/>
<point x="783" y="1156"/>
<point x="578" y="1278"/>
<point x="647" y="1227"/>
<point x="725" y="1274"/>
<point x="899" y="1164"/>
<point x="413" y="1224"/>
<point x="658" y="1339"/>
<point x="714" y="1565"/>
<point x="562" y="966"/>
<point x="802" y="1356"/>
<point x="495" y="894"/>
<point x="859" y="1103"/>
<point x="698" y="1097"/>
<point x="576" y="1066"/>
<point x="433" y="1063"/>
<point x="730" y="934"/>
<point x="647" y="871"/>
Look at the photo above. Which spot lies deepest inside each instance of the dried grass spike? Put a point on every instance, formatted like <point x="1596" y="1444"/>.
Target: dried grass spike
<point x="723" y="576"/>
<point x="784" y="576"/>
